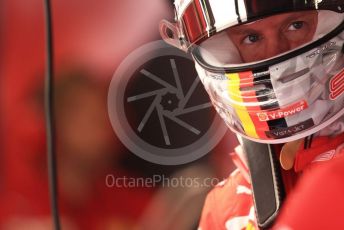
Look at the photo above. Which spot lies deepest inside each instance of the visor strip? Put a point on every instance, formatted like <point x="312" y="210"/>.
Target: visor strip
<point x="244" y="116"/>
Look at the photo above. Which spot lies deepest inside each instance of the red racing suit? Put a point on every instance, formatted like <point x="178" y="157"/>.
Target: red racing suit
<point x="230" y="204"/>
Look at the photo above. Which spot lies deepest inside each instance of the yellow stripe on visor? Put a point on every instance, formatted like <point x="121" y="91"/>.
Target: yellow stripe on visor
<point x="235" y="94"/>
<point x="250" y="226"/>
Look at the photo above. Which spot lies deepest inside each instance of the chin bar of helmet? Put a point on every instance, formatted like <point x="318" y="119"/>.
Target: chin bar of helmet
<point x="267" y="185"/>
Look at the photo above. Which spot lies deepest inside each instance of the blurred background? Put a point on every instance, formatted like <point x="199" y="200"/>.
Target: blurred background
<point x="91" y="39"/>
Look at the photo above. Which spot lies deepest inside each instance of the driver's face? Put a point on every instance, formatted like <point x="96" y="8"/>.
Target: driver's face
<point x="273" y="35"/>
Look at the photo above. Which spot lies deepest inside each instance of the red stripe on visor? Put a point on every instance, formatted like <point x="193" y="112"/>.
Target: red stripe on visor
<point x="195" y="26"/>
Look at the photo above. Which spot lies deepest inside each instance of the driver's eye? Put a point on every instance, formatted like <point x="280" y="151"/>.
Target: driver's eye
<point x="296" y="25"/>
<point x="251" y="38"/>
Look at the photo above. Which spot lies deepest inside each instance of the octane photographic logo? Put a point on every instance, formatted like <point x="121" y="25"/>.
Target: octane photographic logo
<point x="159" y="109"/>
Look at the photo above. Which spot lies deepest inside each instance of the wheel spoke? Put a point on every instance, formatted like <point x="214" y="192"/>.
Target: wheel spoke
<point x="193" y="109"/>
<point x="189" y="93"/>
<point x="144" y="95"/>
<point x="163" y="127"/>
<point x="148" y="113"/>
<point x="183" y="124"/>
<point x="176" y="77"/>
<point x="158" y="80"/>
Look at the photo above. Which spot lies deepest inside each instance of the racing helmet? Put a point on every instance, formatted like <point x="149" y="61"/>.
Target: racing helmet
<point x="273" y="69"/>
